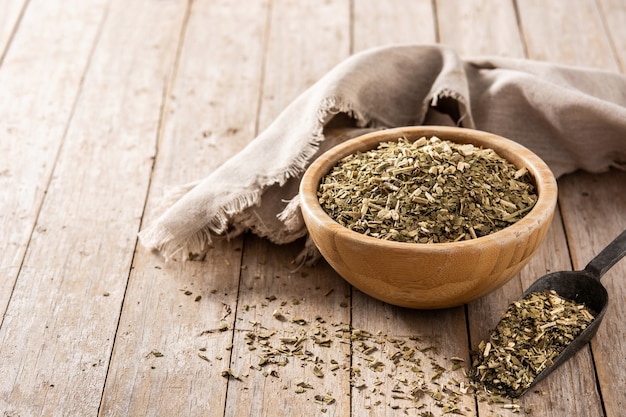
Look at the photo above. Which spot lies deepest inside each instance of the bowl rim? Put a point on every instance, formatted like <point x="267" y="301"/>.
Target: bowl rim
<point x="544" y="179"/>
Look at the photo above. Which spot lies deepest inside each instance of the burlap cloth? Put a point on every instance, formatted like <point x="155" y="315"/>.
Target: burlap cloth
<point x="573" y="118"/>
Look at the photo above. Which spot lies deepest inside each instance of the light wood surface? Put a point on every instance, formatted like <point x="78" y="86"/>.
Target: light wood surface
<point x="104" y="103"/>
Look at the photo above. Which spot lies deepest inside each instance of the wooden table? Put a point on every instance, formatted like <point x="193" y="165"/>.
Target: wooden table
<point x="103" y="103"/>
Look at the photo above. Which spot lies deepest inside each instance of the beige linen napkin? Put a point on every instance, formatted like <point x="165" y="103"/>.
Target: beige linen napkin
<point x="573" y="118"/>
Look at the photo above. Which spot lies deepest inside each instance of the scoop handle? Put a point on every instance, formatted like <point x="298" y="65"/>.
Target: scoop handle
<point x="608" y="257"/>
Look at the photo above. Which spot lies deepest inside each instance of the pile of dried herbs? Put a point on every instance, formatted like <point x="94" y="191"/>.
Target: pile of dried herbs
<point x="426" y="191"/>
<point x="308" y="355"/>
<point x="400" y="373"/>
<point x="530" y="335"/>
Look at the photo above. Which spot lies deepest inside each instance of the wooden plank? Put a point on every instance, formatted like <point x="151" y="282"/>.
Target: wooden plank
<point x="478" y="27"/>
<point x="560" y="393"/>
<point x="474" y="33"/>
<point x="39" y="82"/>
<point x="432" y="339"/>
<point x="614" y="15"/>
<point x="470" y="29"/>
<point x="566" y="32"/>
<point x="277" y="306"/>
<point x="10" y="15"/>
<point x="594" y="211"/>
<point x="305" y="40"/>
<point x="171" y="343"/>
<point x="590" y="225"/>
<point x="210" y="113"/>
<point x="380" y="391"/>
<point x="58" y="331"/>
<point x="377" y="23"/>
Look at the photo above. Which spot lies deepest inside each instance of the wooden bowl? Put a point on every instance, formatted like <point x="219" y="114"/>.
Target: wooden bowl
<point x="435" y="275"/>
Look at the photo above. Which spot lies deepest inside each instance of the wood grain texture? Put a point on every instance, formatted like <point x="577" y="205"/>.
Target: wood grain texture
<point x="592" y="206"/>
<point x="37" y="101"/>
<point x="106" y="103"/>
<point x="306" y="39"/>
<point x="483" y="314"/>
<point x="476" y="27"/>
<point x="202" y="126"/>
<point x="37" y="97"/>
<point x="435" y="335"/>
<point x="278" y="300"/>
<point x="10" y="14"/>
<point x="593" y="210"/>
<point x="562" y="392"/>
<point x="74" y="274"/>
<point x="378" y="24"/>
<point x="613" y="14"/>
<point x="467" y="36"/>
<point x="297" y="31"/>
<point x="565" y="32"/>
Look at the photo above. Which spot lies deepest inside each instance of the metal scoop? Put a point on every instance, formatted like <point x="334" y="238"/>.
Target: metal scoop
<point x="583" y="287"/>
